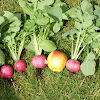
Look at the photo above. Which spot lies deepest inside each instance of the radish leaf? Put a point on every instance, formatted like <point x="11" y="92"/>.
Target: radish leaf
<point x="56" y="27"/>
<point x="97" y="13"/>
<point x="86" y="6"/>
<point x="88" y="66"/>
<point x="2" y="58"/>
<point x="90" y="56"/>
<point x="48" y="45"/>
<point x="42" y="20"/>
<point x="1" y="20"/>
<point x="54" y="12"/>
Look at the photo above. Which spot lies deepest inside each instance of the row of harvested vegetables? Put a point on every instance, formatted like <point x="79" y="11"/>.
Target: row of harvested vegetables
<point x="56" y="61"/>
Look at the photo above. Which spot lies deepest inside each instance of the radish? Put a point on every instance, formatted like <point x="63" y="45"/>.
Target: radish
<point x="73" y="65"/>
<point x="39" y="61"/>
<point x="6" y="71"/>
<point x="20" y="65"/>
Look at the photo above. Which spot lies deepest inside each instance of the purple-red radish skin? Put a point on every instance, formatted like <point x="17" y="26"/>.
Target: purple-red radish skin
<point x="73" y="65"/>
<point x="6" y="71"/>
<point x="39" y="61"/>
<point x="20" y="65"/>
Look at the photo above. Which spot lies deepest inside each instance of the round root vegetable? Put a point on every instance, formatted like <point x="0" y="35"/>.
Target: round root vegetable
<point x="39" y="61"/>
<point x="6" y="71"/>
<point x="57" y="61"/>
<point x="20" y="65"/>
<point x="73" y="65"/>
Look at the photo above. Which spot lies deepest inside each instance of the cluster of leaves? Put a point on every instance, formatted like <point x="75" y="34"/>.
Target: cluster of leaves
<point x="9" y="26"/>
<point x="41" y="19"/>
<point x="45" y="19"/>
<point x="85" y="35"/>
<point x="32" y="28"/>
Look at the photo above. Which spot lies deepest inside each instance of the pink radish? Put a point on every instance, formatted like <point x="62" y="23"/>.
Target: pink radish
<point x="39" y="61"/>
<point x="20" y="65"/>
<point x="73" y="65"/>
<point x="6" y="71"/>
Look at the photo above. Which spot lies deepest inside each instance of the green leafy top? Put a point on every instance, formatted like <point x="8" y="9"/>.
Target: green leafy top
<point x="9" y="18"/>
<point x="12" y="36"/>
<point x="88" y="66"/>
<point x="45" y="19"/>
<point x="86" y="19"/>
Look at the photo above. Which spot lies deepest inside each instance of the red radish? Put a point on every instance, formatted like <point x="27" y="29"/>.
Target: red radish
<point x="73" y="65"/>
<point x="39" y="61"/>
<point x="6" y="71"/>
<point x="20" y="65"/>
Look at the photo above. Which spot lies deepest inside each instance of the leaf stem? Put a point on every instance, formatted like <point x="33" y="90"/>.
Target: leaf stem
<point x="35" y="5"/>
<point x="94" y="38"/>
<point x="38" y="50"/>
<point x="72" y="47"/>
<point x="85" y="46"/>
<point x="13" y="54"/>
<point x="80" y="52"/>
<point x="12" y="49"/>
<point x="21" y="48"/>
<point x="79" y="47"/>
<point x="76" y="47"/>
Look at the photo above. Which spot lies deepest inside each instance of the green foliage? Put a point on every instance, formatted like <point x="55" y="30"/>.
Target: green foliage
<point x="56" y="27"/>
<point x="72" y="31"/>
<point x="2" y="58"/>
<point x="54" y="12"/>
<point x="1" y="20"/>
<point x="47" y="18"/>
<point x="96" y="12"/>
<point x="86" y="6"/>
<point x="42" y="20"/>
<point x="86" y="33"/>
<point x="7" y="18"/>
<point x="42" y="3"/>
<point x="26" y="7"/>
<point x="9" y="29"/>
<point x="47" y="45"/>
<point x="51" y="85"/>
<point x="90" y="56"/>
<point x="88" y="66"/>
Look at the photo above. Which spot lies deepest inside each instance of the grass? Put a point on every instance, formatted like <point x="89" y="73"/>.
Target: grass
<point x="9" y="5"/>
<point x="51" y="85"/>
